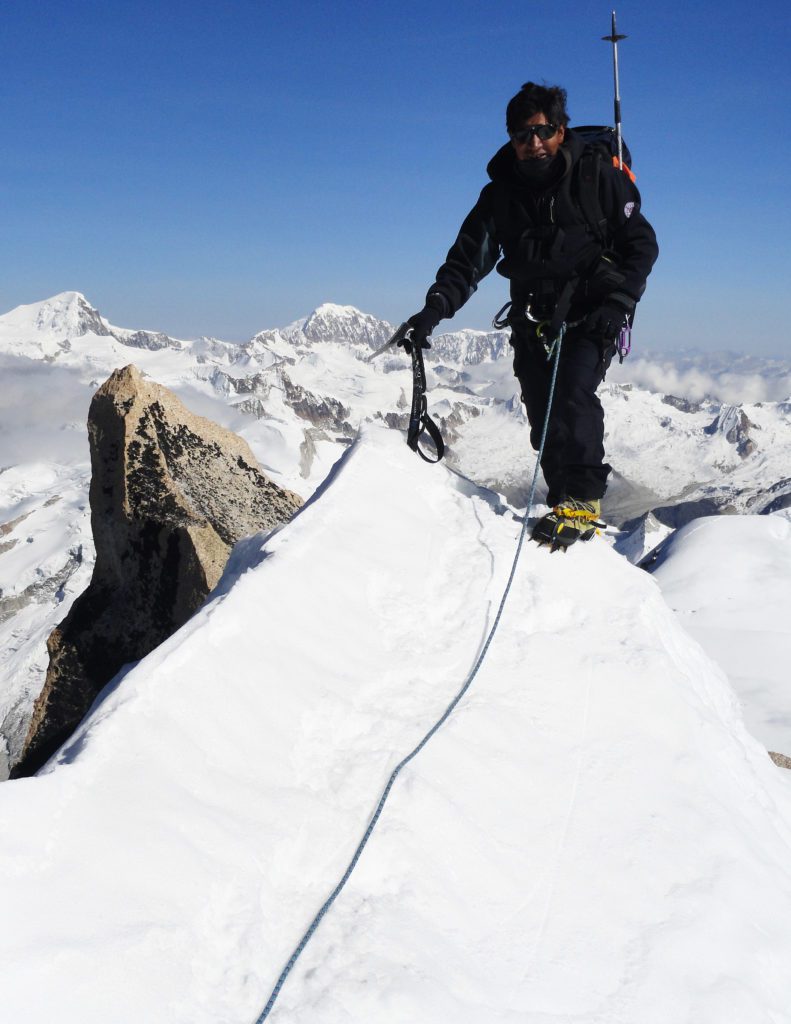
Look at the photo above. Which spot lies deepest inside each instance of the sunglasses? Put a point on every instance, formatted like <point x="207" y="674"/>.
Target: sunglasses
<point x="542" y="131"/>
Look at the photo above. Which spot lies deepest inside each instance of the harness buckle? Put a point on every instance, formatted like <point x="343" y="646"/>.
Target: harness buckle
<point x="533" y="318"/>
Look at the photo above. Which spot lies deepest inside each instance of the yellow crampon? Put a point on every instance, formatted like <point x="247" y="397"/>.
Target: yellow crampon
<point x="569" y="521"/>
<point x="574" y="513"/>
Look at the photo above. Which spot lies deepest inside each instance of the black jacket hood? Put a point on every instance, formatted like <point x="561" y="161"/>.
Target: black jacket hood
<point x="502" y="166"/>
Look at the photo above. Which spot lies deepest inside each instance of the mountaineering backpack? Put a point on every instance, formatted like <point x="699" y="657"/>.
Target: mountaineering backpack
<point x="605" y="141"/>
<point x="601" y="146"/>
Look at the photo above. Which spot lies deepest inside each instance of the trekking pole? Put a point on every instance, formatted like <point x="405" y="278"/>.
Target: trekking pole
<point x="614" y="38"/>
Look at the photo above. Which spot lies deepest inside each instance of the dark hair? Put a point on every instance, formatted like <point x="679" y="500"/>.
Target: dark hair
<point x="549" y="100"/>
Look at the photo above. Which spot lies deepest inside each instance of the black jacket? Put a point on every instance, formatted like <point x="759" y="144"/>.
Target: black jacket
<point x="542" y="238"/>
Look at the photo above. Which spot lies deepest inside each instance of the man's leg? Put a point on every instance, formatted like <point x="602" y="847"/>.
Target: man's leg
<point x="573" y="460"/>
<point x="534" y="372"/>
<point x="581" y="471"/>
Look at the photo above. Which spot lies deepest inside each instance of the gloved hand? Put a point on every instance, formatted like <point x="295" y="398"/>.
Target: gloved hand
<point x="606" y="321"/>
<point x="422" y="324"/>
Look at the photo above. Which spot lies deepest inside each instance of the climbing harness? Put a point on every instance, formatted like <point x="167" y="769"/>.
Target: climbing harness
<point x="555" y="355"/>
<point x="420" y="422"/>
<point x="547" y="327"/>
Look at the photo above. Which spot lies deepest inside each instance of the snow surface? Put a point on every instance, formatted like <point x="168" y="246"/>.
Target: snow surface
<point x="298" y="395"/>
<point x="593" y="837"/>
<point x="728" y="578"/>
<point x="47" y="558"/>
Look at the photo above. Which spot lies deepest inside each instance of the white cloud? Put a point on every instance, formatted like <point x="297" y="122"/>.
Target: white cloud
<point x="42" y="414"/>
<point x="706" y="378"/>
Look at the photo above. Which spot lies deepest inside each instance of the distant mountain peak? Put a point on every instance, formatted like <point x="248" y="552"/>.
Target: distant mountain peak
<point x="345" y="324"/>
<point x="332" y="309"/>
<point x="65" y="315"/>
<point x="50" y="326"/>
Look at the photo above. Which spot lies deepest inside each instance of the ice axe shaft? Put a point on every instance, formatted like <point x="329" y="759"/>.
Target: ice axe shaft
<point x="614" y="38"/>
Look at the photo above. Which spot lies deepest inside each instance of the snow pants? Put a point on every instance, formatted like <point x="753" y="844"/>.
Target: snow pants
<point x="573" y="461"/>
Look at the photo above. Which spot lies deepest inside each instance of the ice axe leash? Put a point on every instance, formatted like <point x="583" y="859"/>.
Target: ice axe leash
<point x="419" y="420"/>
<point x="553" y="353"/>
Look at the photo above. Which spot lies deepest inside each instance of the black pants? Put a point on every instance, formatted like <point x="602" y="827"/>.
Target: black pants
<point x="573" y="461"/>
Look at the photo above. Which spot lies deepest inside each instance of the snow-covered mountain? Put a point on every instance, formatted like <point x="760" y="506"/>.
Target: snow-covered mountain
<point x="316" y="374"/>
<point x="298" y="395"/>
<point x="592" y="836"/>
<point x="47" y="329"/>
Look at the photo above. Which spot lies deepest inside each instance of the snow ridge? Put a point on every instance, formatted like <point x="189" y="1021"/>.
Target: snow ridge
<point x="591" y="820"/>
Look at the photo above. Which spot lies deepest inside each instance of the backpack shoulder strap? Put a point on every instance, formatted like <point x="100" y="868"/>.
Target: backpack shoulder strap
<point x="587" y="192"/>
<point x="500" y="207"/>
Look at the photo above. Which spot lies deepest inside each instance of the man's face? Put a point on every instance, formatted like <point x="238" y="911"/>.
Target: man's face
<point x="534" y="148"/>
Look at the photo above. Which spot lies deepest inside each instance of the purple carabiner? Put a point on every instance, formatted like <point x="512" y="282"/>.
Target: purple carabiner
<point x="623" y="344"/>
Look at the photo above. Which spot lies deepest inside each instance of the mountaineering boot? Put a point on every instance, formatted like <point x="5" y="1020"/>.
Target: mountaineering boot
<point x="569" y="521"/>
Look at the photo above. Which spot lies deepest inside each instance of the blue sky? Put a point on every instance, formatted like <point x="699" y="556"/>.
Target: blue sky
<point x="220" y="167"/>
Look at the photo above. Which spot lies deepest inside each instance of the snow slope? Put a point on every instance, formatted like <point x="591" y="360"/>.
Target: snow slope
<point x="593" y="836"/>
<point x="47" y="560"/>
<point x="728" y="578"/>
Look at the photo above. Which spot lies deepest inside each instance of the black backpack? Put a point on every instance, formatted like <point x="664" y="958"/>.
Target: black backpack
<point x="601" y="146"/>
<point x="605" y="141"/>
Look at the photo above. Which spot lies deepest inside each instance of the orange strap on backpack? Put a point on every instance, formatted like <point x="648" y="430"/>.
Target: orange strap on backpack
<point x="626" y="170"/>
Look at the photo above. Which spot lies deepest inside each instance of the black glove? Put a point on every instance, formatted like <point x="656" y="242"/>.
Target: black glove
<point x="606" y="321"/>
<point x="421" y="324"/>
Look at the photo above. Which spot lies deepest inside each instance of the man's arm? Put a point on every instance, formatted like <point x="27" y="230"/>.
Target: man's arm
<point x="471" y="257"/>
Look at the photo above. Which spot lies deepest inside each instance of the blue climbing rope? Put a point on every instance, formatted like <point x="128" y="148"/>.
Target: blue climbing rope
<point x="553" y="351"/>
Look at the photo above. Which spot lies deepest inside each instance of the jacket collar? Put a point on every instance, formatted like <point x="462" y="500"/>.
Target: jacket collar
<point x="502" y="166"/>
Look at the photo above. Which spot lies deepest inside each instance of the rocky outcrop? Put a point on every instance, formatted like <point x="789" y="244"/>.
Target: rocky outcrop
<point x="679" y="513"/>
<point x="252" y="384"/>
<point x="682" y="404"/>
<point x="448" y="416"/>
<point x="5" y="529"/>
<point x="733" y="424"/>
<point x="43" y="589"/>
<point x="321" y="411"/>
<point x="170" y="494"/>
<point x="153" y="341"/>
<point x="773" y="498"/>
